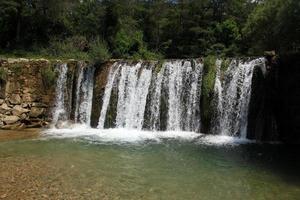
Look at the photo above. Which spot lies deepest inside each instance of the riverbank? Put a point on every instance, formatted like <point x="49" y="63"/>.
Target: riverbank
<point x="30" y="133"/>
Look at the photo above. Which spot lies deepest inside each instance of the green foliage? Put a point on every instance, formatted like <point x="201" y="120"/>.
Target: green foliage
<point x="126" y="43"/>
<point x="3" y="74"/>
<point x="16" y="68"/>
<point x="208" y="83"/>
<point x="274" y="25"/>
<point x="148" y="29"/>
<point x="98" y="51"/>
<point x="159" y="65"/>
<point x="73" y="47"/>
<point x="209" y="75"/>
<point x="130" y="44"/>
<point x="48" y="76"/>
<point x="225" y="64"/>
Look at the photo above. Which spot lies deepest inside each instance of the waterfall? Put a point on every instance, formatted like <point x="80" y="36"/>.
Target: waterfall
<point x="175" y="73"/>
<point x="79" y="83"/>
<point x="218" y="99"/>
<point x="140" y="85"/>
<point x="133" y="91"/>
<point x="184" y="80"/>
<point x="158" y="96"/>
<point x="108" y="88"/>
<point x="232" y="97"/>
<point x="194" y="78"/>
<point x="59" y="111"/>
<point x="155" y="100"/>
<point x="84" y="95"/>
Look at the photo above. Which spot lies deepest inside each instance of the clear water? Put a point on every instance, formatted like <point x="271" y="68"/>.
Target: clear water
<point x="181" y="166"/>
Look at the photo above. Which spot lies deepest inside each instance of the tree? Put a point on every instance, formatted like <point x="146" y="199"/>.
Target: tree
<point x="274" y="25"/>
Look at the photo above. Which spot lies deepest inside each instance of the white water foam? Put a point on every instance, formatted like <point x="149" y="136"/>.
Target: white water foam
<point x="121" y="135"/>
<point x="223" y="140"/>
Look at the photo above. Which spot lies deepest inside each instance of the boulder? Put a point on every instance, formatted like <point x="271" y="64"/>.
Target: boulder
<point x="11" y="119"/>
<point x="30" y="97"/>
<point x="36" y="112"/>
<point x="18" y="110"/>
<point x="25" y="105"/>
<point x="4" y="108"/>
<point x="2" y="101"/>
<point x="23" y="116"/>
<point x="15" y="99"/>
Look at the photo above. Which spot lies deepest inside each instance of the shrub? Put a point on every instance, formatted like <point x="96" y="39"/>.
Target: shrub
<point x="48" y="76"/>
<point x="225" y="64"/>
<point x="73" y="47"/>
<point x="3" y="74"/>
<point x="98" y="51"/>
<point x="16" y="69"/>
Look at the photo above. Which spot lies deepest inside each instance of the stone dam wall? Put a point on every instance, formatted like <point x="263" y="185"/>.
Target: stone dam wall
<point x="27" y="95"/>
<point x="27" y="92"/>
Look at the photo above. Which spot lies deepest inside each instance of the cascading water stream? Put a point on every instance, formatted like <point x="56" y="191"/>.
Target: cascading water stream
<point x="84" y="95"/>
<point x="175" y="72"/>
<point x="79" y="83"/>
<point x="137" y="83"/>
<point x="107" y="94"/>
<point x="232" y="97"/>
<point x="160" y="97"/>
<point x="133" y="90"/>
<point x="155" y="100"/>
<point x="194" y="78"/>
<point x="218" y="99"/>
<point x="59" y="112"/>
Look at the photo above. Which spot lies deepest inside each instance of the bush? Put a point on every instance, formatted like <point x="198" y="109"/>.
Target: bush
<point x="48" y="76"/>
<point x="73" y="47"/>
<point x="128" y="44"/>
<point x="16" y="69"/>
<point x="225" y="64"/>
<point x="98" y="51"/>
<point x="3" y="74"/>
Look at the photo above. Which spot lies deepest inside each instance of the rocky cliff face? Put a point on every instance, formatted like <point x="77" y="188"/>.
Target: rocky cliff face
<point x="288" y="98"/>
<point x="275" y="102"/>
<point x="27" y="92"/>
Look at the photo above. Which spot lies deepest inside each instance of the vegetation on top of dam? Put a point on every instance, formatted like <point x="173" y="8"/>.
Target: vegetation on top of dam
<point x="99" y="30"/>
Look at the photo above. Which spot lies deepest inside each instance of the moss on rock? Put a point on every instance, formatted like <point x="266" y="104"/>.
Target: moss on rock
<point x="208" y="82"/>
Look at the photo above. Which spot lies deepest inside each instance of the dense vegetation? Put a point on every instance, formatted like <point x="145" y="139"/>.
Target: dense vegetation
<point x="100" y="29"/>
